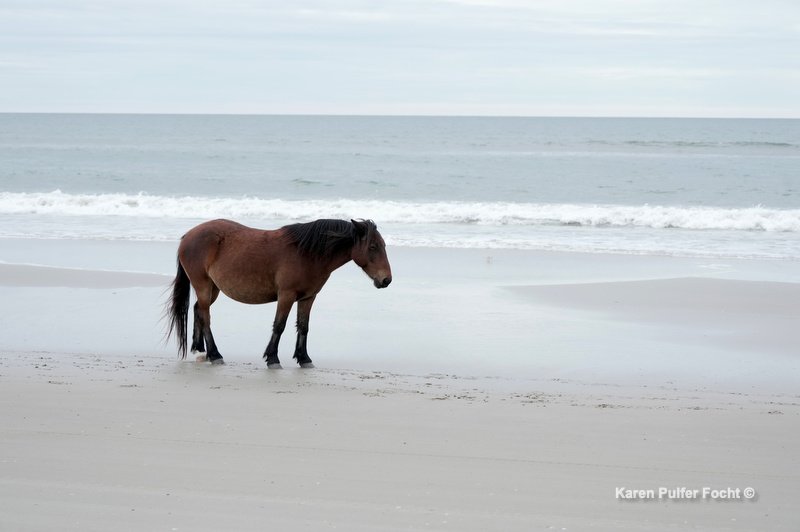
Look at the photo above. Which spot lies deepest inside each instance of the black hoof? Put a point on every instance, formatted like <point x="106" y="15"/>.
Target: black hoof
<point x="274" y="365"/>
<point x="218" y="362"/>
<point x="307" y="365"/>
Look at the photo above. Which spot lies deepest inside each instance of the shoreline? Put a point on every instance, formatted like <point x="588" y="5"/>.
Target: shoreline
<point x="604" y="318"/>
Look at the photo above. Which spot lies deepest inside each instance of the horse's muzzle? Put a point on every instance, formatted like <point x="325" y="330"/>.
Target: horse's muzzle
<point x="382" y="283"/>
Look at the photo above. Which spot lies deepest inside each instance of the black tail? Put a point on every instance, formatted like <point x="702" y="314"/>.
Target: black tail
<point x="178" y="309"/>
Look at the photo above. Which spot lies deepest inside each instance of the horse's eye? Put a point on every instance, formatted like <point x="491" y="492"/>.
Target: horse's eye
<point x="373" y="247"/>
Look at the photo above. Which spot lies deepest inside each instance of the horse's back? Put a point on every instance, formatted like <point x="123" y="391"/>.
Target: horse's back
<point x="219" y="227"/>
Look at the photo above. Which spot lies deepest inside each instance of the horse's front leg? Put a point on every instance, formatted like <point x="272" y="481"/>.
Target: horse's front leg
<point x="285" y="301"/>
<point x="300" y="350"/>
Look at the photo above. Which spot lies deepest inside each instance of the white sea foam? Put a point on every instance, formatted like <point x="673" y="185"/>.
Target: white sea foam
<point x="755" y="218"/>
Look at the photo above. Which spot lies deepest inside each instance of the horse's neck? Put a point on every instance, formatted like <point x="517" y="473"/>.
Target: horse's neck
<point x="340" y="259"/>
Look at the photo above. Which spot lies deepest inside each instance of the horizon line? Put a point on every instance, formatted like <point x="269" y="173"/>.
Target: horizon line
<point x="392" y="115"/>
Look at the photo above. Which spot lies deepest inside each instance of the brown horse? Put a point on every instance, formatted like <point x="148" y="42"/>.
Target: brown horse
<point x="255" y="266"/>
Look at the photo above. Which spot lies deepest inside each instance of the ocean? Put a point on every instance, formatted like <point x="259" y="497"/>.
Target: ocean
<point x="677" y="187"/>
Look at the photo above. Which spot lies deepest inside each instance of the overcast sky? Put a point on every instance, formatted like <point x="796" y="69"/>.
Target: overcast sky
<point x="462" y="57"/>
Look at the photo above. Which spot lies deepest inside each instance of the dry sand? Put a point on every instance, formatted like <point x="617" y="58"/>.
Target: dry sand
<point x="90" y="443"/>
<point x="128" y="438"/>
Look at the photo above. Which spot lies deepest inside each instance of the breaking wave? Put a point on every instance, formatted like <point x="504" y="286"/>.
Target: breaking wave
<point x="755" y="218"/>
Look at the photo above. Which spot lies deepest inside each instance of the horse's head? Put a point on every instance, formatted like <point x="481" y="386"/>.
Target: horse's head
<point x="369" y="252"/>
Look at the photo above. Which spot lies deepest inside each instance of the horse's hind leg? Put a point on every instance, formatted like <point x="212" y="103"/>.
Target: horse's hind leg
<point x="206" y="295"/>
<point x="198" y="342"/>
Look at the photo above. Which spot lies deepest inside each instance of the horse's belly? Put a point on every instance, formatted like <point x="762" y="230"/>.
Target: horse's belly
<point x="252" y="296"/>
<point x="246" y="288"/>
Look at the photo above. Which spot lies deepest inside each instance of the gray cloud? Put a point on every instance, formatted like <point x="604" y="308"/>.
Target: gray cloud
<point x="434" y="56"/>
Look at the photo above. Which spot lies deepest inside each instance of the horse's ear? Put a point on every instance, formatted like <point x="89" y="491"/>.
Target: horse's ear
<point x="360" y="227"/>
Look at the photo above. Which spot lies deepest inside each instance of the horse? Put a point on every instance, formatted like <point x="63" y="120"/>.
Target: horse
<point x="290" y="264"/>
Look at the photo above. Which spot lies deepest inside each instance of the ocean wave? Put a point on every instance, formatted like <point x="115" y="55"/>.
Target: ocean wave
<point x="697" y="144"/>
<point x="755" y="218"/>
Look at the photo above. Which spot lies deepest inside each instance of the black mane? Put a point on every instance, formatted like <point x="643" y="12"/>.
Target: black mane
<point x="325" y="238"/>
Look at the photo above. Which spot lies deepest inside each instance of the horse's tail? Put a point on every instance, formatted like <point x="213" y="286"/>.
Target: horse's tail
<point x="177" y="311"/>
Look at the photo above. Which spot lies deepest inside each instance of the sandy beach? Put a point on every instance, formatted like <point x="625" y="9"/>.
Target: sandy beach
<point x="484" y="390"/>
